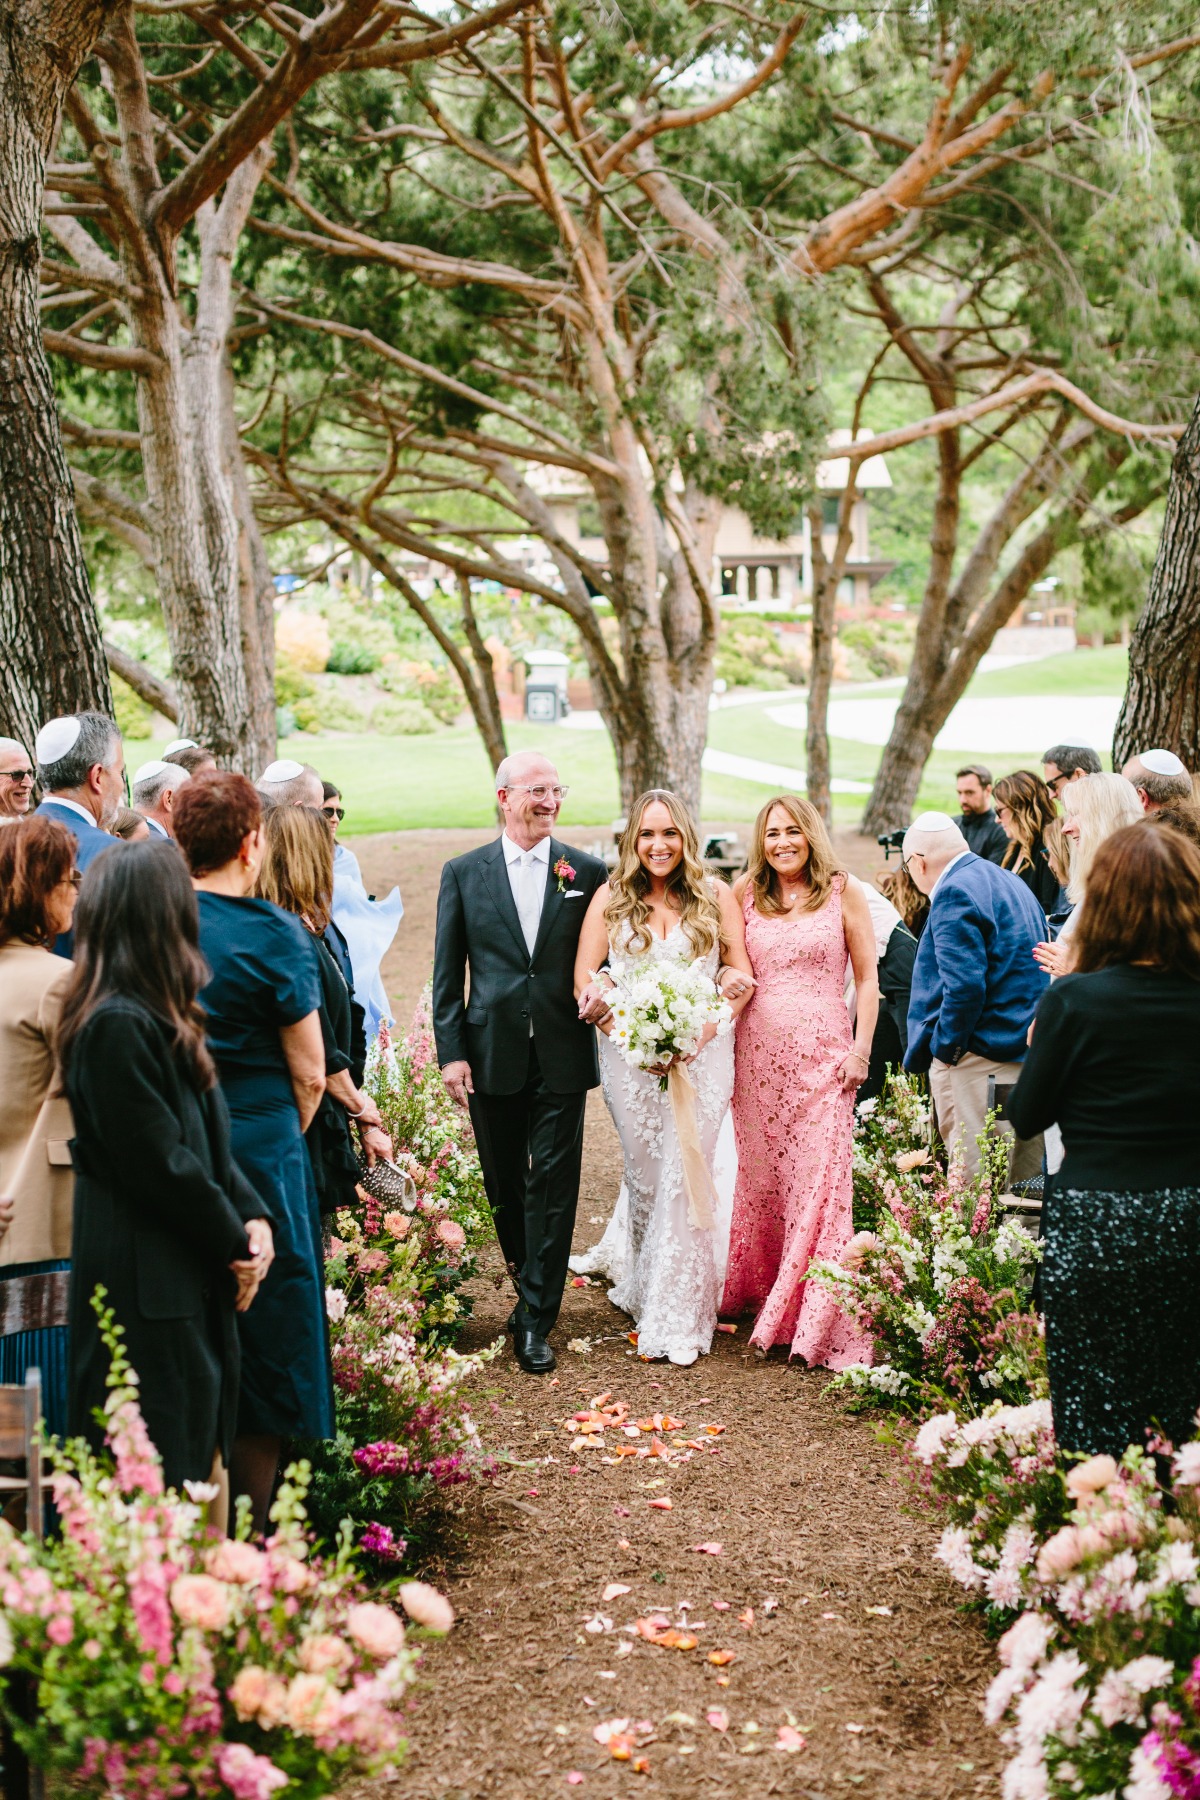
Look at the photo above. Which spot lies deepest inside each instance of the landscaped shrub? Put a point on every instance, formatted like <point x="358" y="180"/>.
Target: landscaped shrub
<point x="350" y="657"/>
<point x="403" y="718"/>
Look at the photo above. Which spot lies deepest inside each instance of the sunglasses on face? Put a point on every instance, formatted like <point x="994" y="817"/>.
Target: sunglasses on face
<point x="16" y="776"/>
<point x="334" y="812"/>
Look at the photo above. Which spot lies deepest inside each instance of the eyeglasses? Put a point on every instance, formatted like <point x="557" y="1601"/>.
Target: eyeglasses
<point x="905" y="860"/>
<point x="538" y="793"/>
<point x="334" y="812"/>
<point x="73" y="879"/>
<point x="1056" y="784"/>
<point x="16" y="776"/>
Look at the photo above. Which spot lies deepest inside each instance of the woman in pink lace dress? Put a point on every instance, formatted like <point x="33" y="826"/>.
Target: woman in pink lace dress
<point x="798" y="1066"/>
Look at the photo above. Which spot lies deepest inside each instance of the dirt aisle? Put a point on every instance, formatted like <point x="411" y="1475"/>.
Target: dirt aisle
<point x="838" y="1623"/>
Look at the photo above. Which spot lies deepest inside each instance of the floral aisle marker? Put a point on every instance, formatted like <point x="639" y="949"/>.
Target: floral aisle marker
<point x="394" y="1274"/>
<point x="168" y="1662"/>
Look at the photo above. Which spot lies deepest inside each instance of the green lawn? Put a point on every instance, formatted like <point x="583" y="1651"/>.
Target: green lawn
<point x="404" y="783"/>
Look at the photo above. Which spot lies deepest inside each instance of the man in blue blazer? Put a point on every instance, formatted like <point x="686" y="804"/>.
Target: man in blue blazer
<point x="81" y="772"/>
<point x="975" y="986"/>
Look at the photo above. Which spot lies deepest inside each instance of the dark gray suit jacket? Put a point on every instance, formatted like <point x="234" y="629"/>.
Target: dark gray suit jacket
<point x="478" y="927"/>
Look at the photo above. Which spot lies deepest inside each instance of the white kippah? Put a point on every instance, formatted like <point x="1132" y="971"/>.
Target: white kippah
<point x="180" y="744"/>
<point x="1161" y="762"/>
<point x="155" y="768"/>
<point x="56" y="739"/>
<point x="933" y="821"/>
<point x="287" y="770"/>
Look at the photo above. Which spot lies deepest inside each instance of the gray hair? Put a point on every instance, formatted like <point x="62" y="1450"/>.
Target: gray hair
<point x="291" y="791"/>
<point x="148" y="793"/>
<point x="1158" y="788"/>
<point x="1069" y="758"/>
<point x="99" y="741"/>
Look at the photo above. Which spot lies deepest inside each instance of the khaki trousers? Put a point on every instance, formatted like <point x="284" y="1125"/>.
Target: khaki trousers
<point x="960" y="1099"/>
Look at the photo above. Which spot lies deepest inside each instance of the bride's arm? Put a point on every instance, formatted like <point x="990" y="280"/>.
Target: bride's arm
<point x="734" y="954"/>
<point x="591" y="952"/>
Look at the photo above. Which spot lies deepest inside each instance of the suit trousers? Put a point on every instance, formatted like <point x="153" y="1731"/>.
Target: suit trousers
<point x="531" y="1149"/>
<point x="960" y="1096"/>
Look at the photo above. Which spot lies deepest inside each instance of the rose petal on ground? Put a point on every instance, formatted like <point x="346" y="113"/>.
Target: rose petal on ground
<point x="729" y="1328"/>
<point x="747" y="1618"/>
<point x="718" y="1718"/>
<point x="641" y="1765"/>
<point x="662" y="1503"/>
<point x="720" y="1659"/>
<point x="622" y="1512"/>
<point x="880" y="1612"/>
<point x="609" y="1728"/>
<point x="770" y="1604"/>
<point x="625" y="1648"/>
<point x="852" y="1727"/>
<point x="614" y="1590"/>
<point x="709" y="1549"/>
<point x="574" y="1777"/>
<point x="620" y="1748"/>
<point x="721" y="1605"/>
<point x="722" y="1681"/>
<point x="789" y="1738"/>
<point x="597" y="1624"/>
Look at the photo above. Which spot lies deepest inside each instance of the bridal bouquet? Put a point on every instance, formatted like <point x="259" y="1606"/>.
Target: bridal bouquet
<point x="660" y="1010"/>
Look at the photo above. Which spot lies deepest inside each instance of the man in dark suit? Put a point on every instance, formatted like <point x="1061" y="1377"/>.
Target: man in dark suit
<point x="81" y="772"/>
<point x="976" y="984"/>
<point x="521" y="1051"/>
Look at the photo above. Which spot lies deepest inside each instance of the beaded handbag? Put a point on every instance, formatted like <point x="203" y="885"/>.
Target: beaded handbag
<point x="388" y="1182"/>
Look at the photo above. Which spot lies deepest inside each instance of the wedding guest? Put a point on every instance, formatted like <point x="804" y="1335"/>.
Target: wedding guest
<point x="38" y="883"/>
<point x="797" y="1071"/>
<point x="262" y="1002"/>
<point x="164" y="1219"/>
<point x="1159" y="778"/>
<point x="1178" y="817"/>
<point x="131" y="827"/>
<point x="290" y="783"/>
<point x="365" y="926"/>
<point x="16" y="779"/>
<point x="1058" y="855"/>
<point x="977" y="819"/>
<point x="1115" y="1059"/>
<point x="297" y="875"/>
<point x="81" y="772"/>
<point x="895" y="952"/>
<point x="898" y="887"/>
<point x="193" y="757"/>
<point x="975" y="984"/>
<point x="1064" y="763"/>
<point x="1093" y="808"/>
<point x="1025" y="809"/>
<point x="156" y="786"/>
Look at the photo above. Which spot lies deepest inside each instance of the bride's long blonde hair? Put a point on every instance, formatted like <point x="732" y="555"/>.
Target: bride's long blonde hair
<point x="688" y="885"/>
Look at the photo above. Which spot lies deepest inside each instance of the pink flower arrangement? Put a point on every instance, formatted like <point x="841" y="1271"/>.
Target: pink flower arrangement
<point x="425" y="1606"/>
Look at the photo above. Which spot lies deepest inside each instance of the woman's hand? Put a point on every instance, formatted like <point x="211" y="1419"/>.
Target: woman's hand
<point x="366" y="1113"/>
<point x="1054" y="958"/>
<point x="706" y="1037"/>
<point x="852" y="1071"/>
<point x="376" y="1143"/>
<point x="662" y="1069"/>
<point x="732" y="983"/>
<point x="249" y="1272"/>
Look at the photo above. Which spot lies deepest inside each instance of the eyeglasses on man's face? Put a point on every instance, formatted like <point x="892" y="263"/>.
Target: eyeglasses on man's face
<point x="334" y="812"/>
<point x="16" y="776"/>
<point x="905" y="860"/>
<point x="539" y="793"/>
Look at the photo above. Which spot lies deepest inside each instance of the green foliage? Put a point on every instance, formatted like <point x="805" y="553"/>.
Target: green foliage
<point x="132" y="714"/>
<point x="346" y="657"/>
<point x="292" y="686"/>
<point x="403" y="718"/>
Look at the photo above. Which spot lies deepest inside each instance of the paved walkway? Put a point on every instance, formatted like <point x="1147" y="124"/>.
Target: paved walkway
<point x="1023" y="724"/>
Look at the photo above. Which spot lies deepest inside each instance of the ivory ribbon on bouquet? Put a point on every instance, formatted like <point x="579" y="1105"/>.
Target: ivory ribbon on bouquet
<point x="697" y="1177"/>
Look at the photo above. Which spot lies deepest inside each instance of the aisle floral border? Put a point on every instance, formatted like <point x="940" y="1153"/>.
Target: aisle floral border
<point x="1090" y="1569"/>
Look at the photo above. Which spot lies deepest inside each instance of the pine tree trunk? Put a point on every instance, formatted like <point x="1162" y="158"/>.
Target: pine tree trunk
<point x="53" y="660"/>
<point x="1161" y="709"/>
<point x="256" y="588"/>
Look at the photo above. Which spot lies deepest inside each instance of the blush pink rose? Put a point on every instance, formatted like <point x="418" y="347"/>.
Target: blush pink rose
<point x="313" y="1706"/>
<point x="201" y="1601"/>
<point x="376" y="1628"/>
<point x="323" y="1652"/>
<point x="451" y="1234"/>
<point x="425" y="1606"/>
<point x="1059" y="1554"/>
<point x="257" y="1694"/>
<point x="233" y="1561"/>
<point x="1091" y="1476"/>
<point x="397" y="1223"/>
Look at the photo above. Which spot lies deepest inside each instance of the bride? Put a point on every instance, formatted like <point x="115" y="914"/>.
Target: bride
<point x="660" y="904"/>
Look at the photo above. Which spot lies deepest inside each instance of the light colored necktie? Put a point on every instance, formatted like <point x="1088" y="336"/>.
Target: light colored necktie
<point x="530" y="903"/>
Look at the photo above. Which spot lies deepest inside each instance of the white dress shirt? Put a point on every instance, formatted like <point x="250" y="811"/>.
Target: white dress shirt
<point x="528" y="872"/>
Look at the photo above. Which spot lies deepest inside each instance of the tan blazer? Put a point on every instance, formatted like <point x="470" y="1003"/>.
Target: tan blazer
<point x="35" y="1129"/>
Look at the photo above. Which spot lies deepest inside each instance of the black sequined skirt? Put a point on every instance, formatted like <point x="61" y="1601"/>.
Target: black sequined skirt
<point x="1120" y="1286"/>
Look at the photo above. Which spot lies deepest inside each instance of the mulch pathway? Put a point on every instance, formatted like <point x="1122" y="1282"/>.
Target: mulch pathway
<point x="863" y="1648"/>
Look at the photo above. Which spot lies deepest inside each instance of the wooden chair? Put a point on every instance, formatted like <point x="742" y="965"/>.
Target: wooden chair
<point x="21" y="1441"/>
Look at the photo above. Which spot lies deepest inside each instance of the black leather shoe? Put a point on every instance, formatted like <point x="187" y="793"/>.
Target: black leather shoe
<point x="533" y="1352"/>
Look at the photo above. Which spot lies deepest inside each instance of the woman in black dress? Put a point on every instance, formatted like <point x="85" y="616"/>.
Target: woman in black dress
<point x="262" y="1002"/>
<point x="297" y="874"/>
<point x="1115" y="1059"/>
<point x="1025" y="808"/>
<point x="163" y="1216"/>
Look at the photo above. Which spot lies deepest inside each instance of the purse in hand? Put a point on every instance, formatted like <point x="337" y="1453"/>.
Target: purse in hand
<point x="388" y="1182"/>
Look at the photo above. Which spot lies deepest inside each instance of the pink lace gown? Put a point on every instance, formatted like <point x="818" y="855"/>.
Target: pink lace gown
<point x="794" y="1127"/>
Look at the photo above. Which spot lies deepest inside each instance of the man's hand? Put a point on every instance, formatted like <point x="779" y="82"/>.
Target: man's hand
<point x="457" y="1077"/>
<point x="594" y="1004"/>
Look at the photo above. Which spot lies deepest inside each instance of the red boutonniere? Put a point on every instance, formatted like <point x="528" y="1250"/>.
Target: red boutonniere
<point x="565" y="873"/>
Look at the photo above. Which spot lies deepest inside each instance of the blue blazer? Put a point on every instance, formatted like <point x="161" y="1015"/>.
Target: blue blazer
<point x="90" y="842"/>
<point x="975" y="983"/>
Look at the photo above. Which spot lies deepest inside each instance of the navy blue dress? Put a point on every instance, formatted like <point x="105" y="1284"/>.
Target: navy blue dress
<point x="265" y="975"/>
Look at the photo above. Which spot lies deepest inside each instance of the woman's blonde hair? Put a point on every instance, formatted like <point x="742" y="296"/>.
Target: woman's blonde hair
<point x="1058" y="852"/>
<point x="1031" y="804"/>
<point x="688" y="884"/>
<point x="822" y="863"/>
<point x="1103" y="804"/>
<point x="297" y="865"/>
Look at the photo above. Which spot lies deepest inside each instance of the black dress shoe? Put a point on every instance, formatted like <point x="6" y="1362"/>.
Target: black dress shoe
<point x="532" y="1352"/>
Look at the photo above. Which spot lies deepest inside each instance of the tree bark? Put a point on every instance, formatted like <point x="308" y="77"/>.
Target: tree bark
<point x="488" y="717"/>
<point x="1161" y="709"/>
<point x="53" y="659"/>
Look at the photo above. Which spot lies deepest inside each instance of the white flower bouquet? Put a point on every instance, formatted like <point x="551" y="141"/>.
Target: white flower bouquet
<point x="660" y="1011"/>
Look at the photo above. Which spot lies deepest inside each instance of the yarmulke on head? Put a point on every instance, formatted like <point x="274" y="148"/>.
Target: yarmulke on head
<point x="180" y="744"/>
<point x="56" y="739"/>
<point x="933" y="821"/>
<point x="154" y="767"/>
<point x="1162" y="762"/>
<point x="284" y="770"/>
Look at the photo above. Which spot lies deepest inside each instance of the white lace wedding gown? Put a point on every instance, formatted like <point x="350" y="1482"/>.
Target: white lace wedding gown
<point x="667" y="1272"/>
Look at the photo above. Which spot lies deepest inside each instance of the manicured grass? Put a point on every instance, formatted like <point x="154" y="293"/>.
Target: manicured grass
<point x="1101" y="671"/>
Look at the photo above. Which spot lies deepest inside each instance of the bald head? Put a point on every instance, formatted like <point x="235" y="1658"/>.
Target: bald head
<point x="529" y="796"/>
<point x="930" y="844"/>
